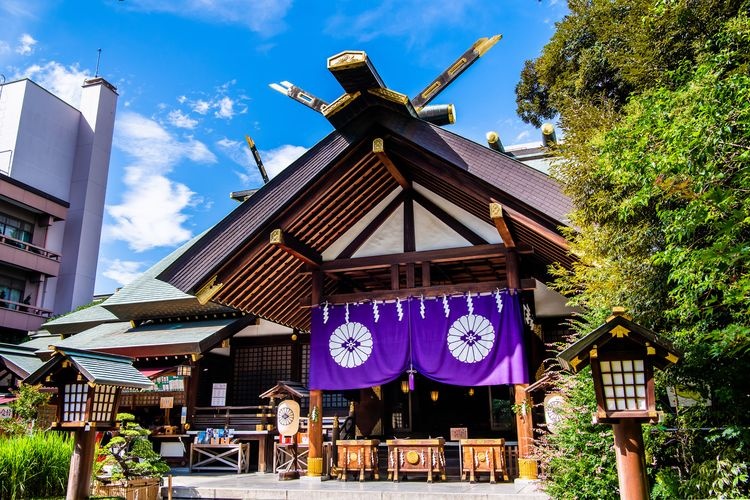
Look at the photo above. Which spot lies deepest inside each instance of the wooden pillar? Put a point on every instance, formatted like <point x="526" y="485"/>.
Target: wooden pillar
<point x="315" y="429"/>
<point x="315" y="454"/>
<point x="629" y="452"/>
<point x="81" y="463"/>
<point x="527" y="467"/>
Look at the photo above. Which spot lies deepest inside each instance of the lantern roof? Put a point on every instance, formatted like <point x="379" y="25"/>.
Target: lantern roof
<point x="97" y="368"/>
<point x="620" y="333"/>
<point x="287" y="388"/>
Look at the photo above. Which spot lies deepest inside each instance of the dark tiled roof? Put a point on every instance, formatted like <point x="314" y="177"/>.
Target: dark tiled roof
<point x="198" y="263"/>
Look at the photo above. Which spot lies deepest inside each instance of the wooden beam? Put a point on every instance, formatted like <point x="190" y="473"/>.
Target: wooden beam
<point x="449" y="220"/>
<point x="410" y="236"/>
<point x="442" y="255"/>
<point x="373" y="226"/>
<point x="496" y="214"/>
<point x="426" y="274"/>
<point x="295" y="247"/>
<point x="378" y="149"/>
<point x="395" y="278"/>
<point x="538" y="228"/>
<point x="429" y="291"/>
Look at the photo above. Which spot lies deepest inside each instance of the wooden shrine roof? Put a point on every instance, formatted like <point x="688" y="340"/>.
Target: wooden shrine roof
<point x="333" y="185"/>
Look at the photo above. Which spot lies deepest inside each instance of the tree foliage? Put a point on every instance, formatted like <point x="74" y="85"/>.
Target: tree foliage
<point x="654" y="99"/>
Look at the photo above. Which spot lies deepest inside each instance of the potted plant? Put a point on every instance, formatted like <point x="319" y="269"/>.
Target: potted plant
<point x="127" y="466"/>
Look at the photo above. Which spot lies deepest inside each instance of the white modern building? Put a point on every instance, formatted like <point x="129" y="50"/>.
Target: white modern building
<point x="54" y="162"/>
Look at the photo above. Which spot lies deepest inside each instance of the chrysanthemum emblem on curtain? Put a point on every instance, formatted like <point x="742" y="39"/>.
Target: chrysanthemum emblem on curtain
<point x="470" y="338"/>
<point x="350" y="344"/>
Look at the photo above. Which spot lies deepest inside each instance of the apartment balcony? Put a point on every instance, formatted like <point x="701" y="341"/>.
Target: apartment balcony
<point x="19" y="316"/>
<point x="27" y="256"/>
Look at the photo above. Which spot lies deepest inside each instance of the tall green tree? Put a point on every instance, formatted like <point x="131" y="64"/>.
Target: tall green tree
<point x="657" y="161"/>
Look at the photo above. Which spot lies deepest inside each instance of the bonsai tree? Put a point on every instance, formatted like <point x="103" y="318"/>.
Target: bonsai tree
<point x="129" y="454"/>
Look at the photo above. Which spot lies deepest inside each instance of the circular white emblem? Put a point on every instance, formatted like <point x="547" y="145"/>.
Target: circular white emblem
<point x="470" y="338"/>
<point x="350" y="344"/>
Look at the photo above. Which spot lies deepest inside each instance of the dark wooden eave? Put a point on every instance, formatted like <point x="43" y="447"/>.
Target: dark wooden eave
<point x="331" y="187"/>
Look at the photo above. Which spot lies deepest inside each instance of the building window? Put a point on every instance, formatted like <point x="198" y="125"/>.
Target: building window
<point x="16" y="228"/>
<point x="11" y="289"/>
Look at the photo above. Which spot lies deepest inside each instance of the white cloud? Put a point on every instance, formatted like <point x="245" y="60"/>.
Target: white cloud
<point x="522" y="136"/>
<point x="278" y="159"/>
<point x="123" y="271"/>
<point x="226" y="108"/>
<point x="265" y="17"/>
<point x="181" y="120"/>
<point x="200" y="106"/>
<point x="63" y="81"/>
<point x="151" y="213"/>
<point x="274" y="160"/>
<point x="4" y="47"/>
<point x="25" y="44"/>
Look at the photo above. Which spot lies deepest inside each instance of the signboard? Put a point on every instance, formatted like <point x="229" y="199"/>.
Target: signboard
<point x="166" y="402"/>
<point x="219" y="395"/>
<point x="459" y="433"/>
<point x="5" y="412"/>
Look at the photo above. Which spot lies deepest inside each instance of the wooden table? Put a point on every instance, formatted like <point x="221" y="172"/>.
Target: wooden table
<point x="482" y="455"/>
<point x="215" y="457"/>
<point x="264" y="446"/>
<point x="416" y="455"/>
<point x="358" y="455"/>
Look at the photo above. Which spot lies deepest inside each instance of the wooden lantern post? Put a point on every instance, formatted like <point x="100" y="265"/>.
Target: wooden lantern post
<point x="623" y="355"/>
<point x="88" y="392"/>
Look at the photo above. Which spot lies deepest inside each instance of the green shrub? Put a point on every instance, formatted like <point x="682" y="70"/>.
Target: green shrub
<point x="34" y="465"/>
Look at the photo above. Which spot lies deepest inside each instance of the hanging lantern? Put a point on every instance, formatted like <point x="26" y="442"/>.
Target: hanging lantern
<point x="434" y="395"/>
<point x="405" y="386"/>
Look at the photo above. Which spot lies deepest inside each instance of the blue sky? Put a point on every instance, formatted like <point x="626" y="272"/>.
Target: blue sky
<point x="193" y="80"/>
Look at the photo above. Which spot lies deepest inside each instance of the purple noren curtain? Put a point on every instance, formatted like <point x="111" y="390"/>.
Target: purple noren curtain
<point x="458" y="346"/>
<point x="454" y="340"/>
<point x="368" y="350"/>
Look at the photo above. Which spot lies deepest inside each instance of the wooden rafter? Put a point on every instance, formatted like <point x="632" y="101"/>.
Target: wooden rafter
<point x="449" y="220"/>
<point x="442" y="255"/>
<point x="295" y="247"/>
<point x="430" y="291"/>
<point x="378" y="149"/>
<point x="496" y="213"/>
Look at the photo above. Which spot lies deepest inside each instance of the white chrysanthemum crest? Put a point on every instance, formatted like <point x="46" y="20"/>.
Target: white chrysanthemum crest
<point x="375" y="311"/>
<point x="446" y="306"/>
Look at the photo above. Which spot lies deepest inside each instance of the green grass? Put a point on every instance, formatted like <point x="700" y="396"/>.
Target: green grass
<point x="34" y="466"/>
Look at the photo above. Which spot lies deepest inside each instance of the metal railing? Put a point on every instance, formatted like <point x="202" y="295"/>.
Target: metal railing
<point x="28" y="247"/>
<point x="24" y="308"/>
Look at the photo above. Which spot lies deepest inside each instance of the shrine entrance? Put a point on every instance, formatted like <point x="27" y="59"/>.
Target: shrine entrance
<point x="432" y="409"/>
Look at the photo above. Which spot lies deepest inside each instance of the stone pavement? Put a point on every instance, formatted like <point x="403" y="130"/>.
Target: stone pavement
<point x="266" y="486"/>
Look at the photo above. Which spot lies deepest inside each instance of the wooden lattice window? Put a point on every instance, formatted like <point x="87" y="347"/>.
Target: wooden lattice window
<point x="257" y="369"/>
<point x="104" y="402"/>
<point x="74" y="402"/>
<point x="624" y="383"/>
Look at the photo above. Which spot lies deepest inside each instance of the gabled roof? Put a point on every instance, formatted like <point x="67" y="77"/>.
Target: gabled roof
<point x="20" y="360"/>
<point x="144" y="298"/>
<point x="623" y="331"/>
<point x="327" y="190"/>
<point x="156" y="339"/>
<point x="97" y="368"/>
